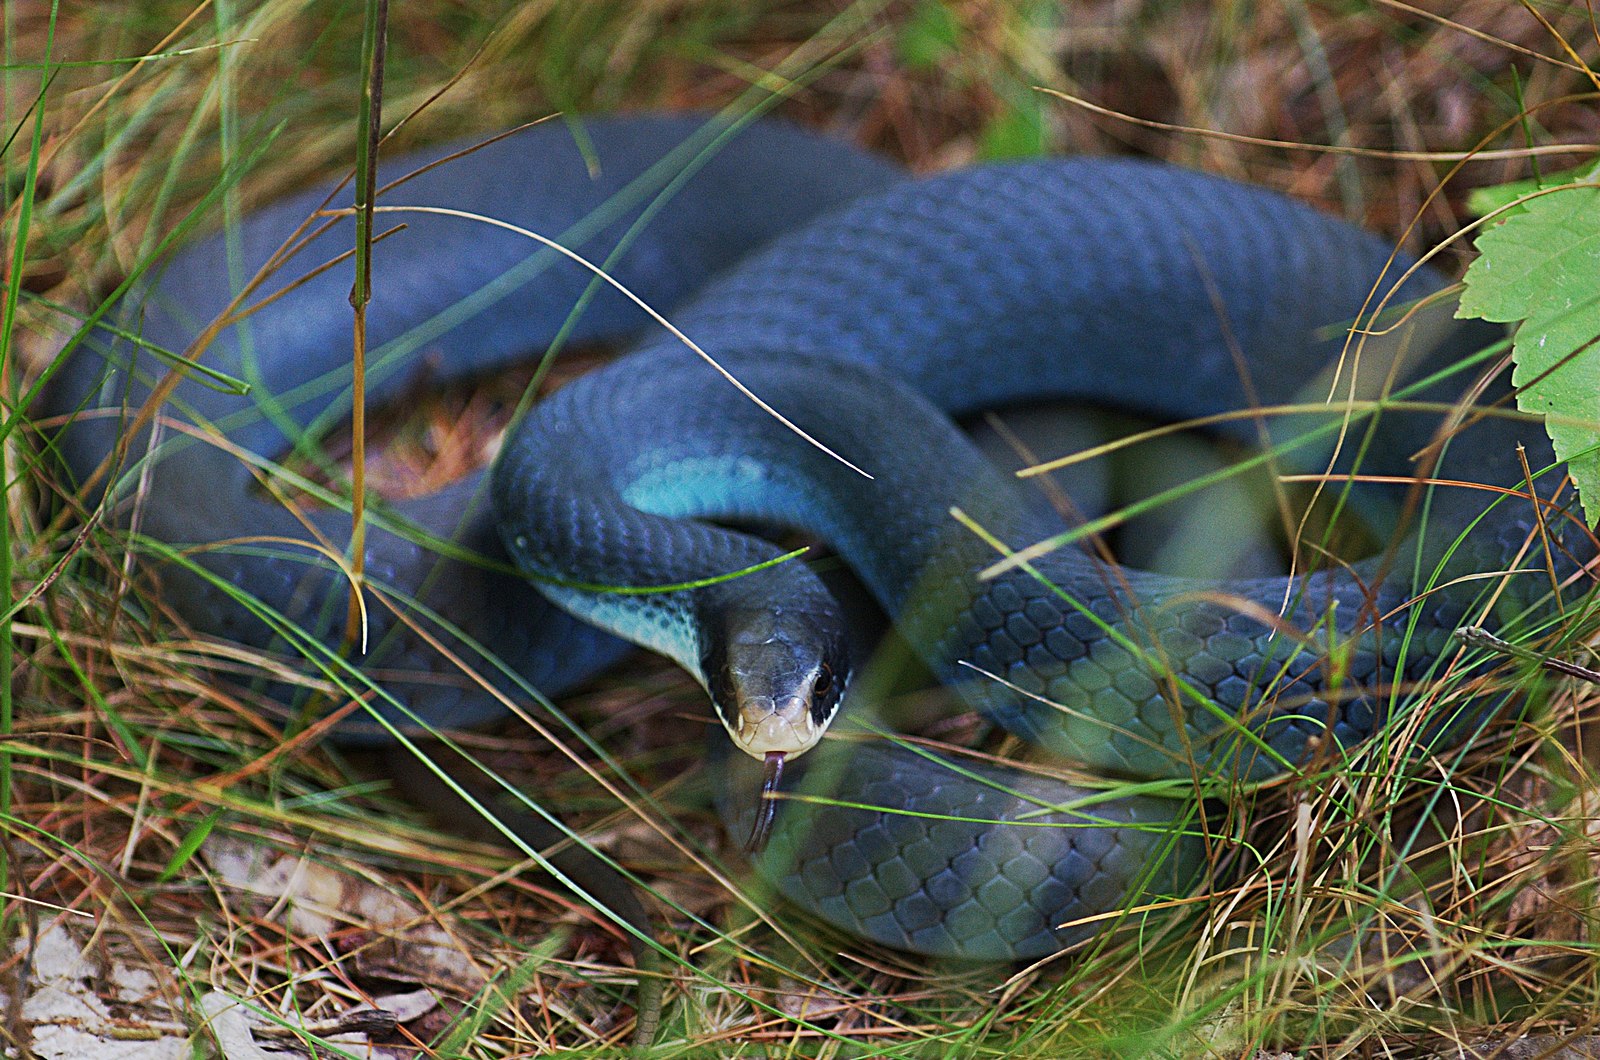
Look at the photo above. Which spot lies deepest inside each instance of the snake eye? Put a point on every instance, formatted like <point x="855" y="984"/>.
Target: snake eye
<point x="824" y="682"/>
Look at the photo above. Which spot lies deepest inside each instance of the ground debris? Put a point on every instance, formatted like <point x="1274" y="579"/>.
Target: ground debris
<point x="1531" y="1047"/>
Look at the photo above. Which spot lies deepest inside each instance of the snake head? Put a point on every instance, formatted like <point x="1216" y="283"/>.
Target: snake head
<point x="776" y="677"/>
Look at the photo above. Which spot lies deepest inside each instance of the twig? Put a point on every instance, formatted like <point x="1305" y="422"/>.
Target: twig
<point x="1478" y="637"/>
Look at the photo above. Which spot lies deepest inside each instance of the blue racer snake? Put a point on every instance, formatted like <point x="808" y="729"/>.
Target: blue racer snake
<point x="868" y="308"/>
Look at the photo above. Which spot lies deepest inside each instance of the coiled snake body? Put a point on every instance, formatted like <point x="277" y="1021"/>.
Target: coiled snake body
<point x="875" y="307"/>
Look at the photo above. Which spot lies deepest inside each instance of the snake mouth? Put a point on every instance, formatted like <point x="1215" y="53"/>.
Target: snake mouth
<point x="767" y="726"/>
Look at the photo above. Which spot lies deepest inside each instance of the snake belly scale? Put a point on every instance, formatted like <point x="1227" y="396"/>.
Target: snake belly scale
<point x="869" y="308"/>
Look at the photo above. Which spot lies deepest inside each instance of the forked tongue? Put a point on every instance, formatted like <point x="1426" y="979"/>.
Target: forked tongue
<point x="767" y="809"/>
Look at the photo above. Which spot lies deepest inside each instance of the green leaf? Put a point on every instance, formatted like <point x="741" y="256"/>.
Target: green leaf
<point x="1016" y="132"/>
<point x="191" y="843"/>
<point x="1482" y="202"/>
<point x="1541" y="266"/>
<point x="929" y="36"/>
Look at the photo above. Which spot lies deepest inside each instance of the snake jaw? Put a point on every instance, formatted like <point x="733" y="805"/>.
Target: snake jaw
<point x="768" y="726"/>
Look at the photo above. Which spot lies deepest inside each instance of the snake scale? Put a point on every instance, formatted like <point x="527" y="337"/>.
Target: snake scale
<point x="869" y="308"/>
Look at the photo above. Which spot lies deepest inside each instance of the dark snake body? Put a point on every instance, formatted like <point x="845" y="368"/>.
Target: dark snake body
<point x="898" y="303"/>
